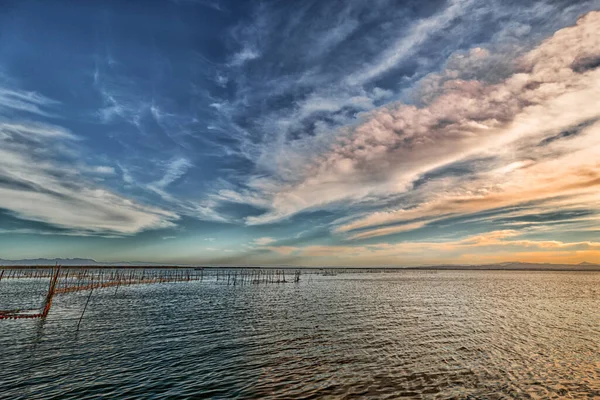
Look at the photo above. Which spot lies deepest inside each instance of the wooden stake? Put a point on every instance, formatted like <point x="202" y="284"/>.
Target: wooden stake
<point x="84" y="308"/>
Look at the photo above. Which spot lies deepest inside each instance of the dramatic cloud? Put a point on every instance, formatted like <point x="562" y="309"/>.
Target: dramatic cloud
<point x="318" y="132"/>
<point x="518" y="125"/>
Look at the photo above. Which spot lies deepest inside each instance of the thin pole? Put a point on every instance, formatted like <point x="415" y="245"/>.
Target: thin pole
<point x="84" y="308"/>
<point x="51" y="289"/>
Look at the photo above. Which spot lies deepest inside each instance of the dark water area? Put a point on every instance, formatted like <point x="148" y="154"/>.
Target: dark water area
<point x="409" y="334"/>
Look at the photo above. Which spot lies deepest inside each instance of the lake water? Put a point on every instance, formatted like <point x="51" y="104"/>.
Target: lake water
<point x="411" y="334"/>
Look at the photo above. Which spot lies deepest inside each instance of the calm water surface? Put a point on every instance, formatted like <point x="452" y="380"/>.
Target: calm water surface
<point x="411" y="334"/>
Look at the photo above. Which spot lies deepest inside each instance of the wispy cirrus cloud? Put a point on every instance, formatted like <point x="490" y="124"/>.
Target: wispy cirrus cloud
<point x="38" y="183"/>
<point x="175" y="170"/>
<point x="407" y="45"/>
<point x="31" y="102"/>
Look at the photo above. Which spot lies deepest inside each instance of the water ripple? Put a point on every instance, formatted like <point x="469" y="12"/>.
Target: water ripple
<point x="411" y="334"/>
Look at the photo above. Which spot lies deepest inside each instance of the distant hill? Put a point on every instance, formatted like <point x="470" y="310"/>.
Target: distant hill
<point x="508" y="266"/>
<point x="522" y="266"/>
<point x="49" y="261"/>
<point x="88" y="262"/>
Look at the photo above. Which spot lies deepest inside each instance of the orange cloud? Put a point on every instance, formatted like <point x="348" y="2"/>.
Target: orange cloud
<point x="495" y="246"/>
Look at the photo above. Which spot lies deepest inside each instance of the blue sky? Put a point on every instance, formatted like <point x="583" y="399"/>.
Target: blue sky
<point x="300" y="132"/>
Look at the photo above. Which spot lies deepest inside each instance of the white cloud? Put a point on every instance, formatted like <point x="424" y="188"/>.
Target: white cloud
<point x="551" y="91"/>
<point x="30" y="102"/>
<point x="264" y="241"/>
<point x="408" y="43"/>
<point x="36" y="185"/>
<point x="175" y="170"/>
<point x="245" y="55"/>
<point x="104" y="170"/>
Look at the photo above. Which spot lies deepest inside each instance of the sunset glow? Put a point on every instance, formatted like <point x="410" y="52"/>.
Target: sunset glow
<point x="463" y="132"/>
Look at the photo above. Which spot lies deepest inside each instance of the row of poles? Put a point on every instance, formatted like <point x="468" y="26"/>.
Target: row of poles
<point x="71" y="279"/>
<point x="256" y="276"/>
<point x="76" y="279"/>
<point x="27" y="314"/>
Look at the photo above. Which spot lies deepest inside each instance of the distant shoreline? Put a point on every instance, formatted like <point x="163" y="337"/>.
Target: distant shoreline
<point x="493" y="267"/>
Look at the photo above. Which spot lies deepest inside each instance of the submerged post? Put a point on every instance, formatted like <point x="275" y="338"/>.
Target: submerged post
<point x="84" y="308"/>
<point x="51" y="290"/>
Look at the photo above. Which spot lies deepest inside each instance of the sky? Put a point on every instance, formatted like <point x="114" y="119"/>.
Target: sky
<point x="315" y="133"/>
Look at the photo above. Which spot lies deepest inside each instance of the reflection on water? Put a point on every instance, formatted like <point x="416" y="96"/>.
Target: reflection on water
<point x="417" y="334"/>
